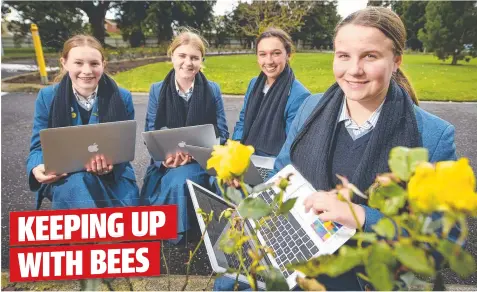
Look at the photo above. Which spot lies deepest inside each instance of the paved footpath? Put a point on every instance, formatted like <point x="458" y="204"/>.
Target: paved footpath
<point x="17" y="112"/>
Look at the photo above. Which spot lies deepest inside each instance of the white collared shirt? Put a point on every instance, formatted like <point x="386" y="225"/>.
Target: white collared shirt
<point x="86" y="102"/>
<point x="185" y="95"/>
<point x="353" y="128"/>
<point x="266" y="88"/>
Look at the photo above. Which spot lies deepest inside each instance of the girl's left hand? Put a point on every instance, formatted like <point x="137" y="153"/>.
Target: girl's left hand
<point x="99" y="166"/>
<point x="330" y="208"/>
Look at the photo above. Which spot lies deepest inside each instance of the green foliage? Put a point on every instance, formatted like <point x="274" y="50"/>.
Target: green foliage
<point x="365" y="237"/>
<point x="403" y="161"/>
<point x="233" y="195"/>
<point x="449" y="26"/>
<point x="332" y="265"/>
<point x="286" y="206"/>
<point x="274" y="280"/>
<point x="385" y="228"/>
<point x="412" y="14"/>
<point x="379" y="266"/>
<point x="318" y="24"/>
<point x="130" y="21"/>
<point x="56" y="21"/>
<point x="163" y="16"/>
<point x="254" y="208"/>
<point x="254" y="18"/>
<point x="414" y="258"/>
<point x="388" y="198"/>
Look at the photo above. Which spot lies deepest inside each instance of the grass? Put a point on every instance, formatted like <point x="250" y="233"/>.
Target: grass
<point x="18" y="53"/>
<point x="431" y="78"/>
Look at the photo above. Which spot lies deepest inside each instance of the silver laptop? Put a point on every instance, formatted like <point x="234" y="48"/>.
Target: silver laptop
<point x="257" y="171"/>
<point x="69" y="149"/>
<point x="296" y="238"/>
<point x="162" y="143"/>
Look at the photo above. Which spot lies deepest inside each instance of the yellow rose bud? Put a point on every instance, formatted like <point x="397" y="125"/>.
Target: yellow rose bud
<point x="230" y="161"/>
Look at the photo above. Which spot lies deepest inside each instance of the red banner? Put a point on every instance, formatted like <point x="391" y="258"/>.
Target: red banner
<point x="93" y="225"/>
<point x="84" y="261"/>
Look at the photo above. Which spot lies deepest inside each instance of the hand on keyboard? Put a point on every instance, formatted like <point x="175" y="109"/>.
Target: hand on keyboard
<point x="330" y="208"/>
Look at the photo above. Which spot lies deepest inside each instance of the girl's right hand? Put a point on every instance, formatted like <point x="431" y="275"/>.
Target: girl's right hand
<point x="42" y="177"/>
<point x="177" y="160"/>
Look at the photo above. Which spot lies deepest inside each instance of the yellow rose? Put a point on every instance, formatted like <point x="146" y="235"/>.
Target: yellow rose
<point x="231" y="160"/>
<point x="457" y="185"/>
<point x="421" y="188"/>
<point x="447" y="186"/>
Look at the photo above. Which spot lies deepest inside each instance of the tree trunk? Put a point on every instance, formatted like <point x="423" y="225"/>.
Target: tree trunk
<point x="454" y="59"/>
<point x="97" y="24"/>
<point x="96" y="15"/>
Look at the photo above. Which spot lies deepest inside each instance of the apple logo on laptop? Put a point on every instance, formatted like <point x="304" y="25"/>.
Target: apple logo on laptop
<point x="182" y="144"/>
<point x="93" y="148"/>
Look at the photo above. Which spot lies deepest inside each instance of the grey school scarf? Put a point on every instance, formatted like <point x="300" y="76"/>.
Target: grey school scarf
<point x="264" y="125"/>
<point x="172" y="111"/>
<point x="111" y="106"/>
<point x="311" y="151"/>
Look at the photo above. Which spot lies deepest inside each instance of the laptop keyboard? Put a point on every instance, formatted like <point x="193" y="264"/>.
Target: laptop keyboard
<point x="263" y="172"/>
<point x="233" y="261"/>
<point x="287" y="238"/>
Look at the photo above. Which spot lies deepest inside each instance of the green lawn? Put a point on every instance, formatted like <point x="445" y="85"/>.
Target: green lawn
<point x="432" y="79"/>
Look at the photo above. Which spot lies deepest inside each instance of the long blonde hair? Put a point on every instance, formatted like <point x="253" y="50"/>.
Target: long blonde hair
<point x="79" y="40"/>
<point x="393" y="28"/>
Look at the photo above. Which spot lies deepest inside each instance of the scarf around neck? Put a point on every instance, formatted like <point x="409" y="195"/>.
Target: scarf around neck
<point x="111" y="106"/>
<point x="264" y="125"/>
<point x="174" y="112"/>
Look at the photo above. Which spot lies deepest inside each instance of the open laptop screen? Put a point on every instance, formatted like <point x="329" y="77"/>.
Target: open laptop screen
<point x="208" y="203"/>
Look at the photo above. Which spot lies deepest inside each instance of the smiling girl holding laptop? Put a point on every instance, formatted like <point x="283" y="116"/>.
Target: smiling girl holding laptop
<point x="84" y="95"/>
<point x="184" y="98"/>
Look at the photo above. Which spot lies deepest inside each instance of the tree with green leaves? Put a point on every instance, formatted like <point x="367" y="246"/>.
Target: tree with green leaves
<point x="130" y="18"/>
<point x="319" y="24"/>
<point x="383" y="3"/>
<point x="256" y="17"/>
<point x="449" y="27"/>
<point x="56" y="21"/>
<point x="412" y="14"/>
<point x="221" y="30"/>
<point x="239" y="20"/>
<point x="164" y="16"/>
